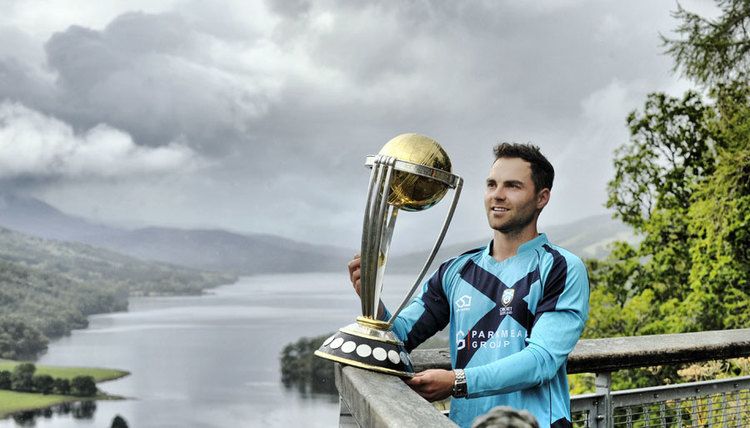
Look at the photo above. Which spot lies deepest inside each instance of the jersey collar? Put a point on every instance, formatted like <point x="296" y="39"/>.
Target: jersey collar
<point x="531" y="245"/>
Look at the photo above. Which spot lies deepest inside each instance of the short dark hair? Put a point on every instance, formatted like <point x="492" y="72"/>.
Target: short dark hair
<point x="542" y="172"/>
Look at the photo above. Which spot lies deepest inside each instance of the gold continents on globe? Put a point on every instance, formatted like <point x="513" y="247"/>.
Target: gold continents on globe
<point x="412" y="192"/>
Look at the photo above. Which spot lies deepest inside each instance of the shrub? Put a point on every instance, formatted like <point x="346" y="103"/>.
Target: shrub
<point x="62" y="386"/>
<point x="83" y="386"/>
<point x="43" y="383"/>
<point x="22" y="377"/>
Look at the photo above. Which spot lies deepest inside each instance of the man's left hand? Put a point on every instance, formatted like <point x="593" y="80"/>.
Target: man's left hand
<point x="433" y="384"/>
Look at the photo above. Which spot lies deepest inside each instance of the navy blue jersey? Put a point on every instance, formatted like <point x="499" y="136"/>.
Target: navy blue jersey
<point x="512" y="325"/>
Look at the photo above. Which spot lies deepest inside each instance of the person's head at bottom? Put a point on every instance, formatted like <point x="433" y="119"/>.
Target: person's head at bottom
<point x="505" y="417"/>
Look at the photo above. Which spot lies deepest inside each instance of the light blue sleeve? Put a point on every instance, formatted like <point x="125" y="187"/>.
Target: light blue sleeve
<point x="557" y="327"/>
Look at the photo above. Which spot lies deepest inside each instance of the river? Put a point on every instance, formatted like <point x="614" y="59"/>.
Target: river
<point x="211" y="360"/>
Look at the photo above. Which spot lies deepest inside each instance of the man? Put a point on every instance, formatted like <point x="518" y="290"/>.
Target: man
<point x="516" y="307"/>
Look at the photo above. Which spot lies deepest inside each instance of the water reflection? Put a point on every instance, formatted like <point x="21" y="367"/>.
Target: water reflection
<point x="79" y="410"/>
<point x="303" y="371"/>
<point x="211" y="361"/>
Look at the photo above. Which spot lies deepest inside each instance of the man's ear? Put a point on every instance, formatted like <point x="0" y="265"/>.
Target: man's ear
<point x="542" y="198"/>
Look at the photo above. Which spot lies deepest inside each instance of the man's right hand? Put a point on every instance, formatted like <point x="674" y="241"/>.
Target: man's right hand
<point x="355" y="273"/>
<point x="355" y="276"/>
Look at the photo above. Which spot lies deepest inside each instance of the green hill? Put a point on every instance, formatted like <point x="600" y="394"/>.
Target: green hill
<point x="81" y="262"/>
<point x="48" y="288"/>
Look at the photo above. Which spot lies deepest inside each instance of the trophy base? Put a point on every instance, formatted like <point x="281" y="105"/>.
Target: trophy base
<point x="369" y="345"/>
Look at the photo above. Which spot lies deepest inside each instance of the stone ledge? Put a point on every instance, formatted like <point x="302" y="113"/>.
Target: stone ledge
<point x="379" y="400"/>
<point x="612" y="354"/>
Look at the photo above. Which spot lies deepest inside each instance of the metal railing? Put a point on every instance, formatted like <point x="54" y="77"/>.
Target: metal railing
<point x="713" y="403"/>
<point x="724" y="403"/>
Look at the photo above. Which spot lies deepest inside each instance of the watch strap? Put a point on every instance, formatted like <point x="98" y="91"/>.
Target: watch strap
<point x="459" y="385"/>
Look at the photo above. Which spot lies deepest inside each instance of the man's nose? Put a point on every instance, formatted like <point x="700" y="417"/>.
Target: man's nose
<point x="498" y="193"/>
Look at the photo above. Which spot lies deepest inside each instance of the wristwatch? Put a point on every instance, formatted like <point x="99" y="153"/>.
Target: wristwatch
<point x="459" y="385"/>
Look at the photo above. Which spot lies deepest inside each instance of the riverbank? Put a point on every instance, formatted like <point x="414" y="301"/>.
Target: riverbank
<point x="13" y="402"/>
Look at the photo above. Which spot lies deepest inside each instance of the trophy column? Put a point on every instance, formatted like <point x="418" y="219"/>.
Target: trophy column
<point x="411" y="173"/>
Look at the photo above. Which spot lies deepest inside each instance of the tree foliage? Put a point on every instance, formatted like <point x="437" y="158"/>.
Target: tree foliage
<point x="713" y="51"/>
<point x="62" y="386"/>
<point x="48" y="288"/>
<point x="19" y="339"/>
<point x="83" y="386"/>
<point x="43" y="383"/>
<point x="682" y="182"/>
<point x="302" y="369"/>
<point x="22" y="377"/>
<point x="5" y="379"/>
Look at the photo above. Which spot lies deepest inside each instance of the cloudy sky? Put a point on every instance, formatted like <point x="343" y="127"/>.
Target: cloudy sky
<point x="256" y="116"/>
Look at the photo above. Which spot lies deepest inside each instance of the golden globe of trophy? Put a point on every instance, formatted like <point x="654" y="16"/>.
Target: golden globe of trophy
<point x="411" y="173"/>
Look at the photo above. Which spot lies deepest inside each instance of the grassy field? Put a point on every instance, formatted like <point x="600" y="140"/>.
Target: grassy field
<point x="99" y="374"/>
<point x="12" y="402"/>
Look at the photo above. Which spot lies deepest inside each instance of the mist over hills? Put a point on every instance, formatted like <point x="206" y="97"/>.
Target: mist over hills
<point x="215" y="250"/>
<point x="248" y="254"/>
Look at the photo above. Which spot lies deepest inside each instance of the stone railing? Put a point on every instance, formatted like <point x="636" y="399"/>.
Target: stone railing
<point x="374" y="400"/>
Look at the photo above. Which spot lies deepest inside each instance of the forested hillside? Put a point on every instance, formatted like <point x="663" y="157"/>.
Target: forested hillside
<point x="47" y="288"/>
<point x="106" y="268"/>
<point x="36" y="305"/>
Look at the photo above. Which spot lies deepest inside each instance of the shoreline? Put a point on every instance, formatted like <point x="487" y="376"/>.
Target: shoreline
<point x="14" y="402"/>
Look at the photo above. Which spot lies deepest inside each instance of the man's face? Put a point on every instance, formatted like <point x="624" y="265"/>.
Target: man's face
<point x="510" y="197"/>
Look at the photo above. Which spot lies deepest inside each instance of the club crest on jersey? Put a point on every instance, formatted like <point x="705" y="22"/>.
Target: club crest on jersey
<point x="507" y="296"/>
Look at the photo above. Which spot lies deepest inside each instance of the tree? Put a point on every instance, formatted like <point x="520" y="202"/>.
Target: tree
<point x="119" y="422"/>
<point x="5" y="379"/>
<point x="301" y="368"/>
<point x="669" y="155"/>
<point x="716" y="51"/>
<point x="43" y="383"/>
<point x="720" y="222"/>
<point x="62" y="386"/>
<point x="670" y="149"/>
<point x="21" y="379"/>
<point x="19" y="339"/>
<point x="682" y="183"/>
<point x="83" y="386"/>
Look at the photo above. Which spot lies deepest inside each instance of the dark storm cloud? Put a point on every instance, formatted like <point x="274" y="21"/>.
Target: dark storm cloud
<point x="149" y="75"/>
<point x="287" y="99"/>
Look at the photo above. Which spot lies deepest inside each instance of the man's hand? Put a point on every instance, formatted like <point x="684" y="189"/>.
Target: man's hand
<point x="355" y="274"/>
<point x="433" y="384"/>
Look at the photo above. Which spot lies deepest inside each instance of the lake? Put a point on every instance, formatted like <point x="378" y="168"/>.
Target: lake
<point x="212" y="360"/>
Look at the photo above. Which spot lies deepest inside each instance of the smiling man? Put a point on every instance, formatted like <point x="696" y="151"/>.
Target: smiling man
<point x="515" y="307"/>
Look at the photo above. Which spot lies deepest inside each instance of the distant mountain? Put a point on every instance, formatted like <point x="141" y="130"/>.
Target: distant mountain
<point x="587" y="238"/>
<point x="244" y="254"/>
<point x="215" y="250"/>
<point x="37" y="218"/>
<point x="103" y="269"/>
